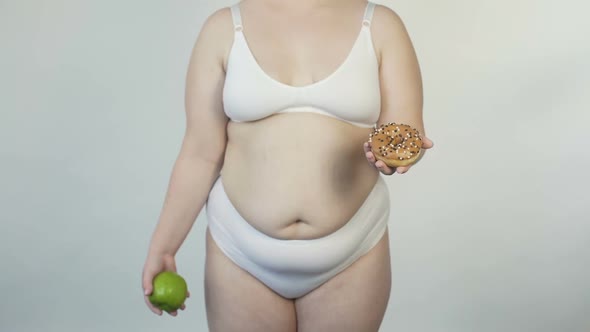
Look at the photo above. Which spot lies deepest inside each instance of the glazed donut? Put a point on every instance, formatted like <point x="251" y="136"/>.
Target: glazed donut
<point x="395" y="144"/>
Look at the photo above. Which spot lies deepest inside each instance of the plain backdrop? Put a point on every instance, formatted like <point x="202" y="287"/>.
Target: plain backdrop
<point x="489" y="233"/>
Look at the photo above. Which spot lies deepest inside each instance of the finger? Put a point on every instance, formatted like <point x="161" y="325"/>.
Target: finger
<point x="370" y="157"/>
<point x="188" y="294"/>
<point x="147" y="278"/>
<point x="427" y="143"/>
<point x="173" y="313"/>
<point x="182" y="307"/>
<point x="155" y="310"/>
<point x="381" y="166"/>
<point x="402" y="170"/>
<point x="368" y="153"/>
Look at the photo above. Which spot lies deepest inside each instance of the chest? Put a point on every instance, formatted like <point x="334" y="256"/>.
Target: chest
<point x="299" y="54"/>
<point x="330" y="69"/>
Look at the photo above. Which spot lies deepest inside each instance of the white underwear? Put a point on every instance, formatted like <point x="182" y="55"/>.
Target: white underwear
<point x="293" y="268"/>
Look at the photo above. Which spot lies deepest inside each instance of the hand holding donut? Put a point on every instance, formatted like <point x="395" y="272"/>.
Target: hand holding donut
<point x="395" y="147"/>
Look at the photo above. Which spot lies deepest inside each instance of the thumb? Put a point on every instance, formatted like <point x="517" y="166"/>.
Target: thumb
<point x="170" y="264"/>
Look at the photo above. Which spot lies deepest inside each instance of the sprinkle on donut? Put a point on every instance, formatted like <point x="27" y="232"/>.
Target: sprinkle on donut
<point x="395" y="144"/>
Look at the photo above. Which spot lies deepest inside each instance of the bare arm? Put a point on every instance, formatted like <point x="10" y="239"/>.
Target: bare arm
<point x="201" y="156"/>
<point x="400" y="79"/>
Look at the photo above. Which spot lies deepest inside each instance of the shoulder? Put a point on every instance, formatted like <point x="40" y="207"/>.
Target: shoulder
<point x="386" y="22"/>
<point x="218" y="22"/>
<point x="216" y="34"/>
<point x="388" y="29"/>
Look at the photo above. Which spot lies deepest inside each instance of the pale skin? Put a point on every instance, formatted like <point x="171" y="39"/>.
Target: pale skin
<point x="336" y="175"/>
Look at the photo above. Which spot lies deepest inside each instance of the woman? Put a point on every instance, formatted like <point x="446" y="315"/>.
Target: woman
<point x="279" y="110"/>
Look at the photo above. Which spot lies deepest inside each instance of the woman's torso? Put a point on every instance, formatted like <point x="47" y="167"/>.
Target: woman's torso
<point x="299" y="175"/>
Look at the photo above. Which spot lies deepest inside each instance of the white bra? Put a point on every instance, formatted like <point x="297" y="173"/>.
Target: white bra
<point x="351" y="93"/>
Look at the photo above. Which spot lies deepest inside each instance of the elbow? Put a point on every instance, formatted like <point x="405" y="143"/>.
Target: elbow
<point x="209" y="153"/>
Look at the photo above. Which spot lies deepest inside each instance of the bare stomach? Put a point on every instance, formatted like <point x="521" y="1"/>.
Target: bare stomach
<point x="297" y="175"/>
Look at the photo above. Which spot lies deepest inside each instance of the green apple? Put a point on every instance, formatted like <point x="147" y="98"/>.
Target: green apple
<point x="169" y="291"/>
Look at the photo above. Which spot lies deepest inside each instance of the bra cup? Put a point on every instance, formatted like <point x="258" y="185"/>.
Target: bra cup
<point x="352" y="94"/>
<point x="247" y="96"/>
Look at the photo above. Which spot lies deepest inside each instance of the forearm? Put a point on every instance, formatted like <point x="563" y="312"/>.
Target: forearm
<point x="190" y="182"/>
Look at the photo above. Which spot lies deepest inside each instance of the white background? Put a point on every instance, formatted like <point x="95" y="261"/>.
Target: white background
<point x="490" y="232"/>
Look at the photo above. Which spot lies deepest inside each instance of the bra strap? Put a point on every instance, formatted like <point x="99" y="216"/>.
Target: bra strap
<point x="368" y="13"/>
<point x="236" y="17"/>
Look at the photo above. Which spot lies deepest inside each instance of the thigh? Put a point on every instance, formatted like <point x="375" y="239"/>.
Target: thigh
<point x="236" y="301"/>
<point x="353" y="300"/>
